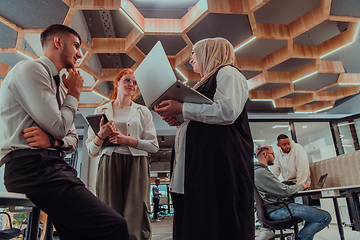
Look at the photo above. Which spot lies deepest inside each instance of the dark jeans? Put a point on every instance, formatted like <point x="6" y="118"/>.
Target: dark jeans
<point x="315" y="219"/>
<point x="51" y="184"/>
<point x="156" y="207"/>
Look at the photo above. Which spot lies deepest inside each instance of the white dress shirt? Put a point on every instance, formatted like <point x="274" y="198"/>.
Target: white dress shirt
<point x="28" y="99"/>
<point x="139" y="125"/>
<point x="293" y="166"/>
<point x="229" y="100"/>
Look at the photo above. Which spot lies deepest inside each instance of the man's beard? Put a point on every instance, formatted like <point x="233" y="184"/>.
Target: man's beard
<point x="286" y="151"/>
<point x="65" y="54"/>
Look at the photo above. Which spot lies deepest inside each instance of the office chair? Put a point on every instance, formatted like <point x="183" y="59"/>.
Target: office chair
<point x="11" y="232"/>
<point x="277" y="225"/>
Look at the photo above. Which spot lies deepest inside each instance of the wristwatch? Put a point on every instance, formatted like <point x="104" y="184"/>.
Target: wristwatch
<point x="52" y="140"/>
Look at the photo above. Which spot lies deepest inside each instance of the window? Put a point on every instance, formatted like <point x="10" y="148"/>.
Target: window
<point x="316" y="139"/>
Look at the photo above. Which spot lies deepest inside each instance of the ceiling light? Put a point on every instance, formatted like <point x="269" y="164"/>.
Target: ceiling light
<point x="186" y="80"/>
<point x="303" y="112"/>
<point x="25" y="55"/>
<point x="259" y="140"/>
<point x="358" y="83"/>
<point x="323" y="109"/>
<point x="304" y="126"/>
<point x="264" y="100"/>
<point x="345" y="124"/>
<point x="97" y="92"/>
<point x="305" y="77"/>
<point x="280" y="126"/>
<point x="244" y="44"/>
<point x="132" y="21"/>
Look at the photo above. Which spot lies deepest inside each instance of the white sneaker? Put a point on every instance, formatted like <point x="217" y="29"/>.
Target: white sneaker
<point x="157" y="220"/>
<point x="264" y="234"/>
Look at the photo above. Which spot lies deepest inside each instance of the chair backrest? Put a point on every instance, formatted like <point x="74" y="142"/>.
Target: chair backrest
<point x="260" y="208"/>
<point x="261" y="215"/>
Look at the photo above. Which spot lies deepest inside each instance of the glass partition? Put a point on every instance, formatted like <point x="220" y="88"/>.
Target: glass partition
<point x="316" y="139"/>
<point x="347" y="141"/>
<point x="267" y="132"/>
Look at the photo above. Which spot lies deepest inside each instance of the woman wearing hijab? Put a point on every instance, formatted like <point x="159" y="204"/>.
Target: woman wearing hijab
<point x="123" y="177"/>
<point x="212" y="175"/>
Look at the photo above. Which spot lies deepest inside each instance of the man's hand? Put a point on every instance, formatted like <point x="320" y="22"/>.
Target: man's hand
<point x="169" y="108"/>
<point x="74" y="82"/>
<point x="306" y="187"/>
<point x="36" y="137"/>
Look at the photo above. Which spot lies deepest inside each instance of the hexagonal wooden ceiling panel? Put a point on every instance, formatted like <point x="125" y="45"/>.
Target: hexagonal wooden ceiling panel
<point x="287" y="55"/>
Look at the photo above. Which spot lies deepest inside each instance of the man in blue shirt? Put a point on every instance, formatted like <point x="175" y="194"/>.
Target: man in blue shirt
<point x="156" y="199"/>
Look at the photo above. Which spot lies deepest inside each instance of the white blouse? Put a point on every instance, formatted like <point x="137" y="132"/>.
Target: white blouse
<point x="139" y="125"/>
<point x="229" y="100"/>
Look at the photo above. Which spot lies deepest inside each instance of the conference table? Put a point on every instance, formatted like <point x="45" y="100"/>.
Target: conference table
<point x="8" y="199"/>
<point x="334" y="193"/>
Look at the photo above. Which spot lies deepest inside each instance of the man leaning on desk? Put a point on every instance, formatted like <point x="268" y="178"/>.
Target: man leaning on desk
<point x="291" y="162"/>
<point x="272" y="190"/>
<point x="37" y="130"/>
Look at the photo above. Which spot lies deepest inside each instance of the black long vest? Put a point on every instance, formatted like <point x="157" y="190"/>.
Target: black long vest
<point x="219" y="178"/>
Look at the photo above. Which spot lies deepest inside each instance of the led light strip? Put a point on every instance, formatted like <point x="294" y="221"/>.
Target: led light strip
<point x="323" y="109"/>
<point x="132" y="21"/>
<point x="245" y="44"/>
<point x="101" y="94"/>
<point x="186" y="80"/>
<point x="354" y="38"/>
<point x="304" y="77"/>
<point x="25" y="55"/>
<point x="264" y="100"/>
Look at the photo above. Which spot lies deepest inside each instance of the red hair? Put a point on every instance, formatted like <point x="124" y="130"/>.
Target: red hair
<point x="117" y="79"/>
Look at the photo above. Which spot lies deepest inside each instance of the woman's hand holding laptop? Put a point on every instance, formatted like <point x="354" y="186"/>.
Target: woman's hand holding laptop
<point x="168" y="109"/>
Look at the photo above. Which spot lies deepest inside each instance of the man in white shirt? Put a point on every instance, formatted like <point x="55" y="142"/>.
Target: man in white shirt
<point x="291" y="161"/>
<point x="37" y="130"/>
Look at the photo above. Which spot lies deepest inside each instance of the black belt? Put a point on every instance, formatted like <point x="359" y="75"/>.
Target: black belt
<point x="26" y="152"/>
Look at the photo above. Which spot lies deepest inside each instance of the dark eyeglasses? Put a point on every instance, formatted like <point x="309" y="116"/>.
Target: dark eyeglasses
<point x="270" y="153"/>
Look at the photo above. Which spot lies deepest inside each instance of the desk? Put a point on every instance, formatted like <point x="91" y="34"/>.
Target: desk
<point x="334" y="193"/>
<point x="15" y="199"/>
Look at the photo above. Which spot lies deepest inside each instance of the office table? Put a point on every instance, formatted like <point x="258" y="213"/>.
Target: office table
<point x="334" y="193"/>
<point x="8" y="199"/>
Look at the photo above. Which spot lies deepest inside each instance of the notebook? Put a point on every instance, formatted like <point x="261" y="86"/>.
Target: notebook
<point x="321" y="181"/>
<point x="94" y="122"/>
<point x="157" y="82"/>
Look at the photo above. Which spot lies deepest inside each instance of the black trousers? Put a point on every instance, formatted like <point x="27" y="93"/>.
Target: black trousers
<point x="51" y="184"/>
<point x="156" y="207"/>
<point x="178" y="204"/>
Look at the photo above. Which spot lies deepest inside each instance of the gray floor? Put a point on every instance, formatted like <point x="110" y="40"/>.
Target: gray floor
<point x="163" y="231"/>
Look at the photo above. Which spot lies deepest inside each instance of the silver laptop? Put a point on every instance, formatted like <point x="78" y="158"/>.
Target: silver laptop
<point x="157" y="82"/>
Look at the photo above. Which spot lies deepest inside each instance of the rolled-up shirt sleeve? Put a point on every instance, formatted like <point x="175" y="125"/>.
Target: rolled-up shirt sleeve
<point x="229" y="100"/>
<point x="71" y="140"/>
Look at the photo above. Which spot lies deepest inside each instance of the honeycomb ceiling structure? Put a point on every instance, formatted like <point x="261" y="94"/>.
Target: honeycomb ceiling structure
<point x="298" y="56"/>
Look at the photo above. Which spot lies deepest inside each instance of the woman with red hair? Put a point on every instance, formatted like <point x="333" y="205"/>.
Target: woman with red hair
<point x="123" y="177"/>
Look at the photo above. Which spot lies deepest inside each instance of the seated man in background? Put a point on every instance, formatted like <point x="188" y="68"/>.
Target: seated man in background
<point x="272" y="190"/>
<point x="291" y="162"/>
